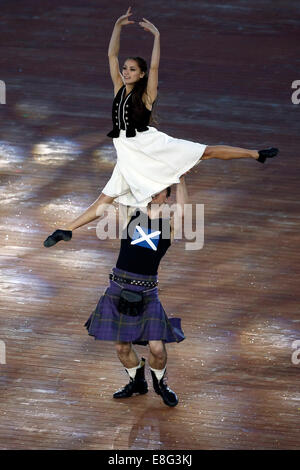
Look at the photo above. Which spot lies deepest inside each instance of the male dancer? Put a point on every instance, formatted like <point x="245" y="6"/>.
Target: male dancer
<point x="136" y="271"/>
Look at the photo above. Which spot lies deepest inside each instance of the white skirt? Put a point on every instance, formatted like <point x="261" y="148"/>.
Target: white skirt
<point x="148" y="163"/>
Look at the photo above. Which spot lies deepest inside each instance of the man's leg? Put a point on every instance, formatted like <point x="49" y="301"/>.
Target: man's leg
<point x="127" y="354"/>
<point x="157" y="355"/>
<point x="157" y="362"/>
<point x="134" y="368"/>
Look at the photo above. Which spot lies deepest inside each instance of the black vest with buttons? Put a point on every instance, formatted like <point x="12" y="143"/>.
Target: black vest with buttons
<point x="141" y="249"/>
<point x="122" y="115"/>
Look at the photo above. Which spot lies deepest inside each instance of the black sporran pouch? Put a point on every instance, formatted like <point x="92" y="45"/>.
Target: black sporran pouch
<point x="131" y="303"/>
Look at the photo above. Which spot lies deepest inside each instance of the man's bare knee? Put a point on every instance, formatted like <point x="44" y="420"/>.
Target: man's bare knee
<point x="122" y="348"/>
<point x="158" y="349"/>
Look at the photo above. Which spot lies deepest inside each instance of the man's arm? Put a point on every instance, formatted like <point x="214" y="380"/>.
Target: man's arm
<point x="181" y="200"/>
<point x="181" y="193"/>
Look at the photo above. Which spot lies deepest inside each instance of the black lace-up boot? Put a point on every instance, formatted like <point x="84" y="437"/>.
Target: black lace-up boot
<point x="136" y="385"/>
<point x="160" y="387"/>
<point x="266" y="153"/>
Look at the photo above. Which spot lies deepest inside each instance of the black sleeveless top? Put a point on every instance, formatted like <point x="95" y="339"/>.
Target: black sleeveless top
<point x="144" y="242"/>
<point x="123" y="118"/>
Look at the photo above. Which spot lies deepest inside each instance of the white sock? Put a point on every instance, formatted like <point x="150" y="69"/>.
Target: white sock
<point x="133" y="370"/>
<point x="159" y="373"/>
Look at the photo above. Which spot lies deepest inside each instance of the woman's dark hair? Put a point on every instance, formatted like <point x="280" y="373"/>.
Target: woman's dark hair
<point x="139" y="89"/>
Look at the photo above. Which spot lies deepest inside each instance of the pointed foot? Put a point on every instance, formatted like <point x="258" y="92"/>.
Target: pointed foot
<point x="267" y="153"/>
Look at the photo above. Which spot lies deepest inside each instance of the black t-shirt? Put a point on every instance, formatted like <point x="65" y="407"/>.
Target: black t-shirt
<point x="144" y="242"/>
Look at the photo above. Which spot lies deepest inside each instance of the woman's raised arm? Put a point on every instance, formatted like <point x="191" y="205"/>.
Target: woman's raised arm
<point x="154" y="65"/>
<point x="113" y="50"/>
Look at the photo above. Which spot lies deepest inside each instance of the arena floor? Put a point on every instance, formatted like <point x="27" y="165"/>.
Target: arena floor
<point x="226" y="78"/>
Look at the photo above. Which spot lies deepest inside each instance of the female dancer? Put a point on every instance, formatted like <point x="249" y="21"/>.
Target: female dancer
<point x="148" y="160"/>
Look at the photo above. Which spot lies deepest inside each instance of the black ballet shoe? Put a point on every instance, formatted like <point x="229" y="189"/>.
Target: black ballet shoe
<point x="267" y="153"/>
<point x="56" y="236"/>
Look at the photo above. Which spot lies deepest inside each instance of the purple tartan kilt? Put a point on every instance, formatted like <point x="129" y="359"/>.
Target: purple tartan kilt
<point x="106" y="323"/>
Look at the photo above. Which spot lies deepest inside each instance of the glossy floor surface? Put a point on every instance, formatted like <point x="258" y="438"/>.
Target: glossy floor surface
<point x="225" y="78"/>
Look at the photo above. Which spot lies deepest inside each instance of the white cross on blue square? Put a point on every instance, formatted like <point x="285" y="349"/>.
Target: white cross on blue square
<point x="144" y="237"/>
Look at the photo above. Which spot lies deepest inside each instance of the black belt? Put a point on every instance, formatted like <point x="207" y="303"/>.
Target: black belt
<point x="134" y="282"/>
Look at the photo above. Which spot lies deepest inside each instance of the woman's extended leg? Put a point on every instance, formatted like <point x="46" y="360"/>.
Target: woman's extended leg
<point x="226" y="152"/>
<point x="94" y="211"/>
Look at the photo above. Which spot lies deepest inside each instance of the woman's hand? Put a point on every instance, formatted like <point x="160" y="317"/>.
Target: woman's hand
<point x="123" y="20"/>
<point x="149" y="27"/>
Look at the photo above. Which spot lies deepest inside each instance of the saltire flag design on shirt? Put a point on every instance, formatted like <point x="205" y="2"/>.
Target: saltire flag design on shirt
<point x="144" y="237"/>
